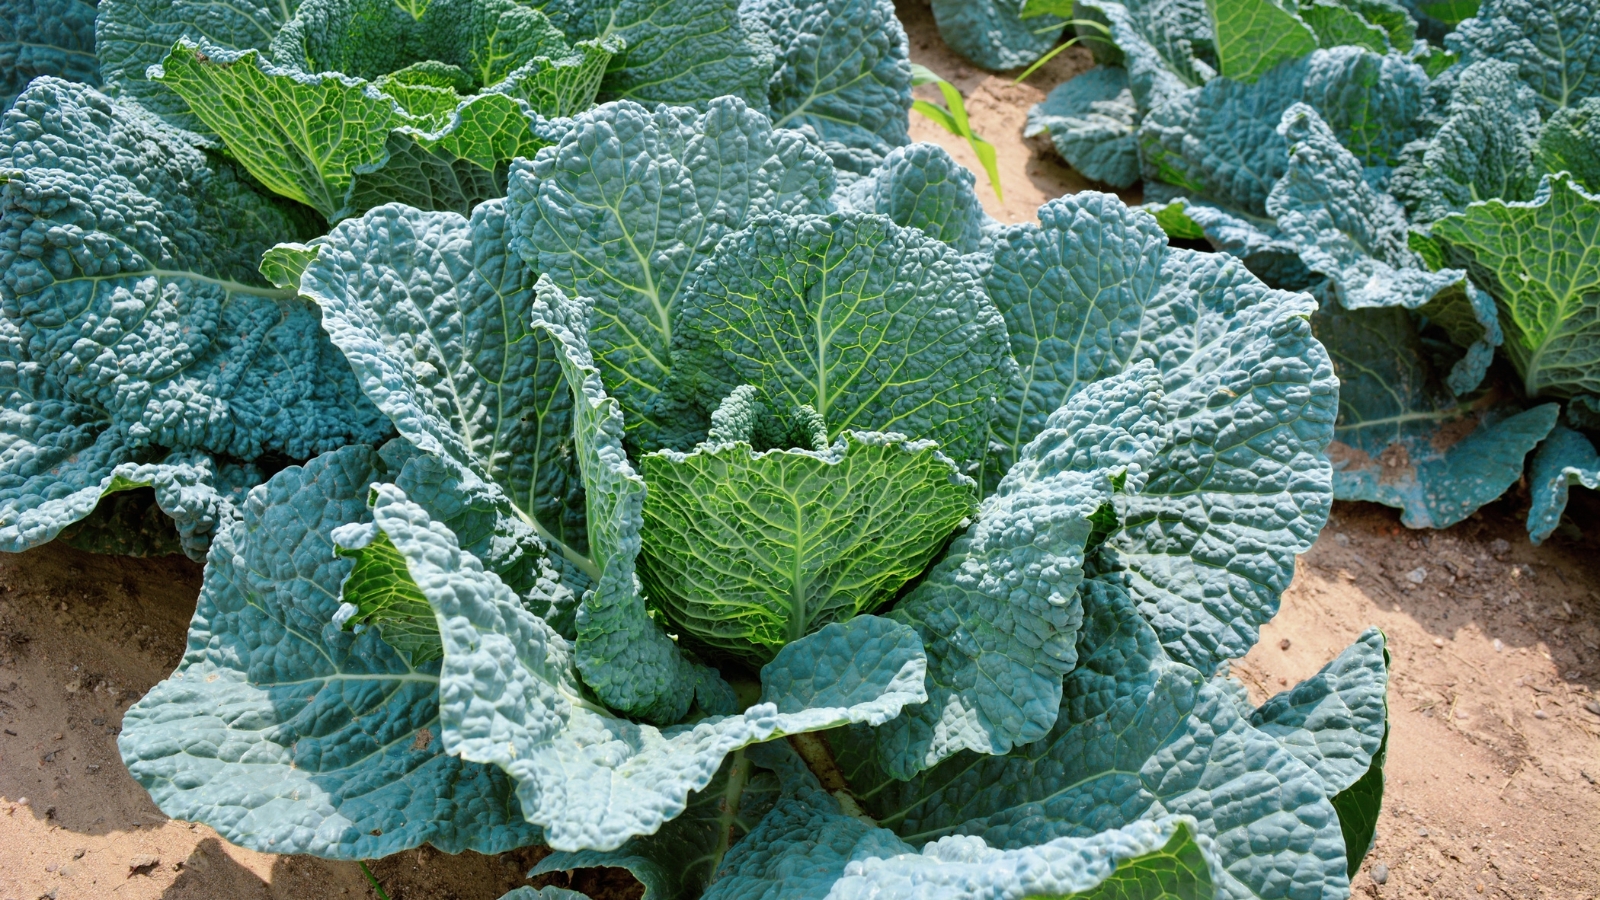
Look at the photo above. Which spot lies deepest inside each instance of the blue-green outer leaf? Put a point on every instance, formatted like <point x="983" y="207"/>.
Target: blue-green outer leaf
<point x="290" y="736"/>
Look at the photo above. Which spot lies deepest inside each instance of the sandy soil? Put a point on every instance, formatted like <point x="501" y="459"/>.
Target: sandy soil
<point x="1494" y="772"/>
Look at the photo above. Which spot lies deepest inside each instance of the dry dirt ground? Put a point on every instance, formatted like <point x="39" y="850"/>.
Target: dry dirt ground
<point x="1494" y="768"/>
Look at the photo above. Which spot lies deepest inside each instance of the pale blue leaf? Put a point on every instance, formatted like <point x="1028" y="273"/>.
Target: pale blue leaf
<point x="844" y="71"/>
<point x="1335" y="720"/>
<point x="992" y="33"/>
<point x="1555" y="45"/>
<point x="46" y="37"/>
<point x="133" y="35"/>
<point x="685" y="52"/>
<point x="677" y="862"/>
<point x="1139" y="738"/>
<point x="1073" y="291"/>
<point x="623" y="654"/>
<point x="1357" y="236"/>
<point x="921" y="186"/>
<point x="288" y="735"/>
<point x="1565" y="458"/>
<point x="1243" y="486"/>
<point x="999" y="614"/>
<point x="433" y="313"/>
<point x="137" y="323"/>
<point x="1402" y="439"/>
<point x="1091" y="121"/>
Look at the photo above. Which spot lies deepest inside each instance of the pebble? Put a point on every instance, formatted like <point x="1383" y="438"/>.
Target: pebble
<point x="1380" y="873"/>
<point x="1438" y="642"/>
<point x="1592" y="706"/>
<point x="1540" y="714"/>
<point x="143" y="863"/>
<point x="1422" y="832"/>
<point x="1498" y="646"/>
<point x="1283" y="644"/>
<point x="1417" y="575"/>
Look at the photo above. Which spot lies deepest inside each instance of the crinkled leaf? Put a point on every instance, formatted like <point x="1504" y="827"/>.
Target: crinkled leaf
<point x="510" y="696"/>
<point x="288" y="735"/>
<point x="992" y="33"/>
<point x="482" y="41"/>
<point x="1167" y="46"/>
<point x="432" y="311"/>
<point x="1253" y="36"/>
<point x="625" y="207"/>
<point x="1091" y="121"/>
<point x="1155" y="859"/>
<point x="685" y="52"/>
<point x="746" y="552"/>
<point x="806" y="849"/>
<point x="427" y="179"/>
<point x="1220" y="141"/>
<point x="623" y="654"/>
<point x="1402" y="439"/>
<point x="1565" y="458"/>
<point x="876" y="327"/>
<point x="1335" y="720"/>
<point x="1375" y="103"/>
<point x="844" y="70"/>
<point x="139" y="326"/>
<point x="1555" y="45"/>
<point x="1257" y="241"/>
<point x="1073" y="291"/>
<point x="1541" y="260"/>
<point x="1570" y="142"/>
<point x="1356" y="235"/>
<point x="1139" y="738"/>
<point x="999" y="614"/>
<point x="133" y="35"/>
<point x="921" y="186"/>
<point x="46" y="37"/>
<point x="1208" y="545"/>
<point x="677" y="862"/>
<point x="1484" y="148"/>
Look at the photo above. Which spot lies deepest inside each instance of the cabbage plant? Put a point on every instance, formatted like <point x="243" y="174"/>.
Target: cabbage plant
<point x="1433" y="197"/>
<point x="705" y="487"/>
<point x="726" y="538"/>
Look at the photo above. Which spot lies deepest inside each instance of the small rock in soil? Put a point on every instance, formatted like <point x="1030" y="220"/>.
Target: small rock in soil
<point x="142" y="864"/>
<point x="1438" y="642"/>
<point x="1380" y="873"/>
<point x="1592" y="706"/>
<point x="1498" y="646"/>
<point x="1540" y="714"/>
<point x="1283" y="644"/>
<point x="1422" y="832"/>
<point x="1417" y="575"/>
<point x="78" y="853"/>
